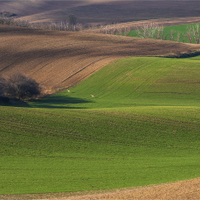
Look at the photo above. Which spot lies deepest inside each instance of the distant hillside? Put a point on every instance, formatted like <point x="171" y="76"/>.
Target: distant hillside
<point x="100" y="11"/>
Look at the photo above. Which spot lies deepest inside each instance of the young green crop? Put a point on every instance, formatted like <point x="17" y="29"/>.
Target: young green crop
<point x="135" y="122"/>
<point x="134" y="82"/>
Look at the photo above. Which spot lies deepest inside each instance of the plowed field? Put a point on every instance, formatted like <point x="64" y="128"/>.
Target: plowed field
<point x="63" y="59"/>
<point x="100" y="11"/>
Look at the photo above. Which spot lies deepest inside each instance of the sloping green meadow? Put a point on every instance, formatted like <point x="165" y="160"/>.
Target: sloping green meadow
<point x="135" y="122"/>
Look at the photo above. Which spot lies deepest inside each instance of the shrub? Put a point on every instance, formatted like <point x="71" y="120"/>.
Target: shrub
<point x="3" y="98"/>
<point x="19" y="87"/>
<point x="2" y="86"/>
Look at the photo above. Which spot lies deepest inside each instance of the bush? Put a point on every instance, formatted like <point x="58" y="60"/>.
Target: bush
<point x="19" y="87"/>
<point x="3" y="98"/>
<point x="2" y="86"/>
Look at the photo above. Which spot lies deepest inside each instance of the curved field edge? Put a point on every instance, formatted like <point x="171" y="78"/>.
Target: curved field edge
<point x="63" y="59"/>
<point x="134" y="82"/>
<point x="187" y="189"/>
<point x="140" y="128"/>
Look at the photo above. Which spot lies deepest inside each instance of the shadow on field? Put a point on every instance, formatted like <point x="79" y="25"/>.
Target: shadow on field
<point x="50" y="102"/>
<point x="13" y="103"/>
<point x="59" y="102"/>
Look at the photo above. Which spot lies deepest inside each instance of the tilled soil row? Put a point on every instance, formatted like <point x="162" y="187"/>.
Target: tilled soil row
<point x="64" y="59"/>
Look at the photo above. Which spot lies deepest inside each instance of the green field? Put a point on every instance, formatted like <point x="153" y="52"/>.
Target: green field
<point x="135" y="122"/>
<point x="178" y="29"/>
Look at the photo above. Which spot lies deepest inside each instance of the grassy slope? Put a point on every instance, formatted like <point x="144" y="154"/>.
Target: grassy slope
<point x="142" y="127"/>
<point x="137" y="81"/>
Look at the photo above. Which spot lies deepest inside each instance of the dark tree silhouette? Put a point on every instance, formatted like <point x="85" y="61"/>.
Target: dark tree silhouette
<point x="19" y="87"/>
<point x="72" y="19"/>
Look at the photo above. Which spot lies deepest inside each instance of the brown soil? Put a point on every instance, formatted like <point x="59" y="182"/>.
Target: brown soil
<point x="181" y="190"/>
<point x="28" y="8"/>
<point x="63" y="59"/>
<point x="189" y="189"/>
<point x="100" y="11"/>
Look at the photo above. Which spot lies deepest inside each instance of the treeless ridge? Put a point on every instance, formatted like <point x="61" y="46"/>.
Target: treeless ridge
<point x="63" y="59"/>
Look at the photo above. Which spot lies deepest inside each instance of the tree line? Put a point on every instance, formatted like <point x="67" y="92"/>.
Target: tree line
<point x="155" y="31"/>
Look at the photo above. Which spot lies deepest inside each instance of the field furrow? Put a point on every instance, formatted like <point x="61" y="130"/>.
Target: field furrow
<point x="62" y="60"/>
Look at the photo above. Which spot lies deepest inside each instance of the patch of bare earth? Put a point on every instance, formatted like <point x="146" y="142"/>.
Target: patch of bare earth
<point x="181" y="190"/>
<point x="63" y="59"/>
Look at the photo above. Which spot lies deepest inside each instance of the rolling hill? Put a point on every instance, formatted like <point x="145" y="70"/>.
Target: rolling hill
<point x="122" y="123"/>
<point x="100" y="11"/>
<point x="63" y="59"/>
<point x="135" y="122"/>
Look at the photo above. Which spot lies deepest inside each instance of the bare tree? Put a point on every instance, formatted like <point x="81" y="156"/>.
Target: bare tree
<point x="127" y="31"/>
<point x="147" y="30"/>
<point x="178" y="36"/>
<point x="195" y="31"/>
<point x="142" y="31"/>
<point x="172" y="35"/>
<point x="189" y="33"/>
<point x="159" y="32"/>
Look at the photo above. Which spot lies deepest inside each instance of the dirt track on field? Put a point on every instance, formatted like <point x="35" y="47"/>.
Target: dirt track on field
<point x="181" y="190"/>
<point x="63" y="59"/>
